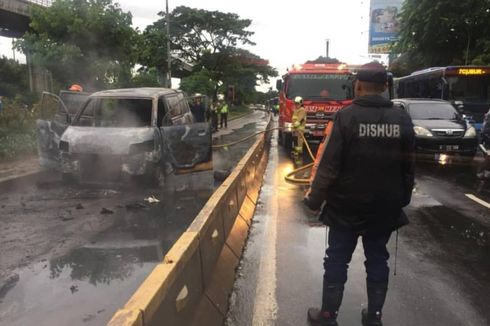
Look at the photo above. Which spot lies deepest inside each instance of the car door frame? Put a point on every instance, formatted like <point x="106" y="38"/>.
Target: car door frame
<point x="49" y="132"/>
<point x="180" y="133"/>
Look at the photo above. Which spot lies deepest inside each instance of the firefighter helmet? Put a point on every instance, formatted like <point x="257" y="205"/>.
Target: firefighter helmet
<point x="298" y="100"/>
<point x="76" y="88"/>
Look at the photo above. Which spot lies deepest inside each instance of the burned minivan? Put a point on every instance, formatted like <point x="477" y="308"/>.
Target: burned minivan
<point x="115" y="134"/>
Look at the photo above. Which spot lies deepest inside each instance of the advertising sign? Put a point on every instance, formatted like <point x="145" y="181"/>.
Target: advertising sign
<point x="384" y="25"/>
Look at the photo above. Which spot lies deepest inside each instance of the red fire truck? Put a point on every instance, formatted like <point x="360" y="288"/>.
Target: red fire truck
<point x="325" y="89"/>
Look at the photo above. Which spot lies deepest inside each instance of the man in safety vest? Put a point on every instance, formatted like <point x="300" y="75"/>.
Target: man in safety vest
<point x="299" y="122"/>
<point x="223" y="112"/>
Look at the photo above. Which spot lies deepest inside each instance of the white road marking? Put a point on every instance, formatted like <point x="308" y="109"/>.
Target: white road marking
<point x="265" y="303"/>
<point x="478" y="200"/>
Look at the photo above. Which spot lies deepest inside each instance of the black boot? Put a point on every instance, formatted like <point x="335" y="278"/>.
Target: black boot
<point x="376" y="299"/>
<point x="316" y="317"/>
<point x="331" y="300"/>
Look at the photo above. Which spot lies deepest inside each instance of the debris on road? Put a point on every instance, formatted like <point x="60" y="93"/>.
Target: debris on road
<point x="79" y="206"/>
<point x="74" y="288"/>
<point x="134" y="206"/>
<point x="105" y="211"/>
<point x="221" y="175"/>
<point x="152" y="200"/>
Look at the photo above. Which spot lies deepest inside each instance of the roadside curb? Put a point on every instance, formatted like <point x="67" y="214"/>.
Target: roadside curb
<point x="193" y="283"/>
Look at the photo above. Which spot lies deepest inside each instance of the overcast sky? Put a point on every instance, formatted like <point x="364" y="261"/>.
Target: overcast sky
<point x="286" y="32"/>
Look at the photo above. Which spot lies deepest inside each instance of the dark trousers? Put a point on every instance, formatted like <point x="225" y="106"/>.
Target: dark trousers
<point x="223" y="120"/>
<point x="341" y="245"/>
<point x="214" y="121"/>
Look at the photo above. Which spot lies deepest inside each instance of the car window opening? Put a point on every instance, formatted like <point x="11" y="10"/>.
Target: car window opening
<point x="123" y="113"/>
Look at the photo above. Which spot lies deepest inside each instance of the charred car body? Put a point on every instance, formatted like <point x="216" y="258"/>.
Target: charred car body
<point x="147" y="132"/>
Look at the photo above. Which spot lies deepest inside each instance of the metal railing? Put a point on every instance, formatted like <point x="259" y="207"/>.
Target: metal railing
<point x="45" y="3"/>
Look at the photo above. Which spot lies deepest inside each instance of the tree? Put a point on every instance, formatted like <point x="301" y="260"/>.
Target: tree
<point x="198" y="31"/>
<point x="198" y="82"/>
<point x="322" y="59"/>
<point x="14" y="77"/>
<point x="209" y="41"/>
<point x="445" y="32"/>
<point x="85" y="41"/>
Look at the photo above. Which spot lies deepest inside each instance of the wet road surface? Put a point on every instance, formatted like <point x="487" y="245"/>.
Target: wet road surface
<point x="73" y="255"/>
<point x="443" y="265"/>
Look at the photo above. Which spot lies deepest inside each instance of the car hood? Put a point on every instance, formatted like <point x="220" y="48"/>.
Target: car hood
<point x="440" y="124"/>
<point x="112" y="141"/>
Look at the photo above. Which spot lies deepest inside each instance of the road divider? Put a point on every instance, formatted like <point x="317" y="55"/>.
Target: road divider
<point x="193" y="283"/>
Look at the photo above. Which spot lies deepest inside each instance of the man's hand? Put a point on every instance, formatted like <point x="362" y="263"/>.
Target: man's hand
<point x="312" y="208"/>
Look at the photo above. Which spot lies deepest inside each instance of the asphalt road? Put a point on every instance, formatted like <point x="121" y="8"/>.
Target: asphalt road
<point x="73" y="255"/>
<point x="443" y="264"/>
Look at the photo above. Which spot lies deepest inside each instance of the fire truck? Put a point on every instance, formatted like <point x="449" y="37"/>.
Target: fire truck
<point x="325" y="89"/>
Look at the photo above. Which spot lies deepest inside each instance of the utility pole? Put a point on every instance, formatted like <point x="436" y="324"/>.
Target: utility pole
<point x="327" y="43"/>
<point x="169" y="55"/>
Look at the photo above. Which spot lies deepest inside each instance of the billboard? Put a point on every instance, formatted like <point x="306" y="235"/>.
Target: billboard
<point x="384" y="24"/>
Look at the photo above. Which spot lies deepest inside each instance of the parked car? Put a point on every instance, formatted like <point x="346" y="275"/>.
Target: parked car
<point x="485" y="130"/>
<point x="147" y="132"/>
<point x="440" y="129"/>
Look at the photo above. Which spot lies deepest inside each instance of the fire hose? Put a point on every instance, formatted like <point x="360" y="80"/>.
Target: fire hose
<point x="290" y="177"/>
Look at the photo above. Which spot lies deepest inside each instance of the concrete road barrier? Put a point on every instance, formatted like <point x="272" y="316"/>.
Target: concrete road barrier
<point x="193" y="283"/>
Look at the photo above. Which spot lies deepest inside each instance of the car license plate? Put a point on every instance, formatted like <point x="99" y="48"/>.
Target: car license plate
<point x="448" y="147"/>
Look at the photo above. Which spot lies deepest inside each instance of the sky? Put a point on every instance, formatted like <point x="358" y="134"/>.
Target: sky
<point x="286" y="32"/>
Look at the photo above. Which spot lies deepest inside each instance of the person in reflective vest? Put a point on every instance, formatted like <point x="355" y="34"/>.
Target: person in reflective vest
<point x="223" y="112"/>
<point x="299" y="122"/>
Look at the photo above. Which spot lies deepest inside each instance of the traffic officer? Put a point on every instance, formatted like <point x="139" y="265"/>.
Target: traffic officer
<point x="299" y="122"/>
<point x="364" y="177"/>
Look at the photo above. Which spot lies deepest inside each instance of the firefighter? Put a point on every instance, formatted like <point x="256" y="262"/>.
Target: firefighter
<point x="299" y="122"/>
<point x="364" y="178"/>
<point x="76" y="88"/>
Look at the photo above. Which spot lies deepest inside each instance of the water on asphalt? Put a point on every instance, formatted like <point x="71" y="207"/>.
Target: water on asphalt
<point x="73" y="255"/>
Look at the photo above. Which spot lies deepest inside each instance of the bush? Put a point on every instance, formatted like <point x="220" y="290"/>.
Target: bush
<point x="17" y="130"/>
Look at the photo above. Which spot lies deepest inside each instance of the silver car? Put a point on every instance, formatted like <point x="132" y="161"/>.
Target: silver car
<point x="145" y="132"/>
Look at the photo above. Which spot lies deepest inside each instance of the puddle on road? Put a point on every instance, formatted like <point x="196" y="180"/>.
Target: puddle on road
<point x="467" y="176"/>
<point x="79" y="295"/>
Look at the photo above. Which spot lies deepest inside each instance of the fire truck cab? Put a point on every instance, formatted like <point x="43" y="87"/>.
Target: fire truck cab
<point x="325" y="89"/>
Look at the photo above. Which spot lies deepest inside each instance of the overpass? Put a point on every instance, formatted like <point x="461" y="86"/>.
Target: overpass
<point x="15" y="16"/>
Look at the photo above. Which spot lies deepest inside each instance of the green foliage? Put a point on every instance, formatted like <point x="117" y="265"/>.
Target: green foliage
<point x="17" y="130"/>
<point x="198" y="31"/>
<point x="444" y="32"/>
<point x="146" y="78"/>
<point x="209" y="41"/>
<point x="322" y="59"/>
<point x="13" y="77"/>
<point x="198" y="82"/>
<point x="85" y="41"/>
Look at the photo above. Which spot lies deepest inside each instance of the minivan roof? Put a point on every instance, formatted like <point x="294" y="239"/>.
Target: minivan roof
<point x="143" y="92"/>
